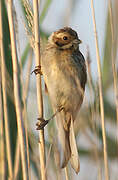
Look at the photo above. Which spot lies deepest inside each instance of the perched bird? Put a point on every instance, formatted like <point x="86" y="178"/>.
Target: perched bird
<point x="64" y="71"/>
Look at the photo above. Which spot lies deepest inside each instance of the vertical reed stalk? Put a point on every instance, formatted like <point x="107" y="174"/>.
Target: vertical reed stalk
<point x="17" y="159"/>
<point x="113" y="64"/>
<point x="39" y="89"/>
<point x="4" y="88"/>
<point x="2" y="141"/>
<point x="25" y="95"/>
<point x="21" y="131"/>
<point x="66" y="173"/>
<point x="101" y="96"/>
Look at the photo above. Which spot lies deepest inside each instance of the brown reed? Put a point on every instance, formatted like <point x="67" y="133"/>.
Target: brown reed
<point x="100" y="95"/>
<point x="6" y="120"/>
<point x="2" y="143"/>
<point x="21" y="131"/>
<point x="39" y="89"/>
<point x="17" y="159"/>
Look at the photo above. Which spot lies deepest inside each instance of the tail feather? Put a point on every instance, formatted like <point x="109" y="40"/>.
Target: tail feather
<point x="74" y="160"/>
<point x="65" y="151"/>
<point x="67" y="141"/>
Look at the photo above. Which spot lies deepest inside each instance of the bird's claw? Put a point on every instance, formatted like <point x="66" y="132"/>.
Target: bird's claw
<point x="41" y="123"/>
<point x="37" y="70"/>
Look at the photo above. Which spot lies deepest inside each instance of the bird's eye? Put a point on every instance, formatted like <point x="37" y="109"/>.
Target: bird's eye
<point x="65" y="38"/>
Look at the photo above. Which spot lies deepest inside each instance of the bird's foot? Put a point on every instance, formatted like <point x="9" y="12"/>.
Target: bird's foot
<point x="37" y="70"/>
<point x="41" y="123"/>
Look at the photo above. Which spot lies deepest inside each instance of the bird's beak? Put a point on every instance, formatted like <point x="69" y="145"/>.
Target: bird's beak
<point x="79" y="41"/>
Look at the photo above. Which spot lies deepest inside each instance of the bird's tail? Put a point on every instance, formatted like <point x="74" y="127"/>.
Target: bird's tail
<point x="74" y="160"/>
<point x="65" y="151"/>
<point x="67" y="140"/>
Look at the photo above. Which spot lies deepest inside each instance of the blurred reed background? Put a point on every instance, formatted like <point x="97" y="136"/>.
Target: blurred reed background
<point x="97" y="122"/>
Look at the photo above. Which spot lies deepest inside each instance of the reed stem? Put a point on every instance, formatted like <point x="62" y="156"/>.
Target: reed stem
<point x="66" y="173"/>
<point x="39" y="89"/>
<point x="6" y="119"/>
<point x="21" y="131"/>
<point x="2" y="142"/>
<point x="100" y="96"/>
<point x="17" y="159"/>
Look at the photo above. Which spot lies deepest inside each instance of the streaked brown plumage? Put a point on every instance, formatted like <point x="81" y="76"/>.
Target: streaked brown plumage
<point x="64" y="71"/>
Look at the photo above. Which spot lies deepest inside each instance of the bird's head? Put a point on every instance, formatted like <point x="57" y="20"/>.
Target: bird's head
<point x="65" y="38"/>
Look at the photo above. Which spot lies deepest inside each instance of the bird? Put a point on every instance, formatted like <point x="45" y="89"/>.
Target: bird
<point x="64" y="72"/>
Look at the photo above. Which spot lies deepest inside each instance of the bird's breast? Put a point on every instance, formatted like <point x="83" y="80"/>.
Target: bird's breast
<point x="62" y="80"/>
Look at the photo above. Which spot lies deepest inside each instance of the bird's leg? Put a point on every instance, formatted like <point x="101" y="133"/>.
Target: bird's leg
<point x="37" y="70"/>
<point x="42" y="122"/>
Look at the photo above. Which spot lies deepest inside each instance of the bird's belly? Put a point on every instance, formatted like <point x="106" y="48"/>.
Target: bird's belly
<point x="63" y="90"/>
